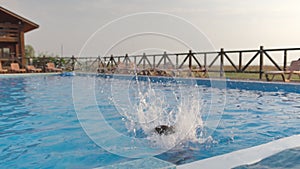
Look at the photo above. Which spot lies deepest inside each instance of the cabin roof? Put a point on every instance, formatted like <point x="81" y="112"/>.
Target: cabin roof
<point x="8" y="16"/>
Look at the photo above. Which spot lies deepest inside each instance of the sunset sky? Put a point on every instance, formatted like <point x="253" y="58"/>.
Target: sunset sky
<point x="233" y="24"/>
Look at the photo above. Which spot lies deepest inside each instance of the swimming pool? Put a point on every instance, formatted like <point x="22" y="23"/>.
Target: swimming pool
<point x="40" y="127"/>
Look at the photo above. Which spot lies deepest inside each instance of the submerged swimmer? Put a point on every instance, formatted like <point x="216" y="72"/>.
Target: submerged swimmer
<point x="164" y="130"/>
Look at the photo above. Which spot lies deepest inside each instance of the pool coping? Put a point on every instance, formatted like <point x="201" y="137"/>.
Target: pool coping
<point x="245" y="156"/>
<point x="12" y="75"/>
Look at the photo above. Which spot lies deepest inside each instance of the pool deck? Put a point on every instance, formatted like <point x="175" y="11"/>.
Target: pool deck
<point x="12" y="75"/>
<point x="245" y="156"/>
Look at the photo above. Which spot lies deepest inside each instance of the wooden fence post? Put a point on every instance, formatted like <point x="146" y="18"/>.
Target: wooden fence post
<point x="165" y="59"/>
<point x="144" y="60"/>
<point x="134" y="61"/>
<point x="261" y="61"/>
<point x="190" y="59"/>
<point x="284" y="60"/>
<point x="154" y="64"/>
<point x="73" y="62"/>
<point x="126" y="59"/>
<point x="205" y="61"/>
<point x="222" y="62"/>
<point x="240" y="61"/>
<point x="177" y="61"/>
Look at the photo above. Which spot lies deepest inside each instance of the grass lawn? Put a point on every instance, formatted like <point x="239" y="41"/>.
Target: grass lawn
<point x="249" y="75"/>
<point x="255" y="76"/>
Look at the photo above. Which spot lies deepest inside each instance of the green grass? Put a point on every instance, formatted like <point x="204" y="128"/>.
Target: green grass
<point x="255" y="76"/>
<point x="230" y="74"/>
<point x="244" y="76"/>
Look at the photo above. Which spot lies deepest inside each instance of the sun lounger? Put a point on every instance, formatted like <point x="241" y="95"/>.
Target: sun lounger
<point x="158" y="72"/>
<point x="50" y="67"/>
<point x="106" y="70"/>
<point x="293" y="69"/>
<point x="128" y="68"/>
<point x="182" y="72"/>
<point x="14" y="67"/>
<point x="199" y="72"/>
<point x="31" y="68"/>
<point x="2" y="70"/>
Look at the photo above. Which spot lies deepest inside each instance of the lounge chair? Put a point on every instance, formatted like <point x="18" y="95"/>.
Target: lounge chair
<point x="32" y="69"/>
<point x="50" y="67"/>
<point x="182" y="72"/>
<point x="2" y="70"/>
<point x="199" y="72"/>
<point x="14" y="67"/>
<point x="293" y="69"/>
<point x="158" y="72"/>
<point x="128" y="68"/>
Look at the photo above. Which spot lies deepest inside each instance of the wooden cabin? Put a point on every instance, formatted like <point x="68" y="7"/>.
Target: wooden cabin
<point x="12" y="43"/>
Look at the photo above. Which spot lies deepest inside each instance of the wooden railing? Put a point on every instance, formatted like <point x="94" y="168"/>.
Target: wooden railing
<point x="215" y="61"/>
<point x="209" y="60"/>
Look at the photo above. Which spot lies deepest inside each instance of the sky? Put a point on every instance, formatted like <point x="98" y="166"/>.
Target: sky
<point x="67" y="26"/>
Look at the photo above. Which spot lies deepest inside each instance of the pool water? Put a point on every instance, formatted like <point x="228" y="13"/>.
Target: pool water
<point x="40" y="128"/>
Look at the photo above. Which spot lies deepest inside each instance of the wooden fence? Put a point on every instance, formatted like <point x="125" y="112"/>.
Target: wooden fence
<point x="207" y="60"/>
<point x="212" y="61"/>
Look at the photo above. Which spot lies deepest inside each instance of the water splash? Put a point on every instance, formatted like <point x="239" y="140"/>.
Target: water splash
<point x="153" y="104"/>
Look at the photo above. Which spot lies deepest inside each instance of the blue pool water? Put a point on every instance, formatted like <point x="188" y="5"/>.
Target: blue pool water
<point x="40" y="128"/>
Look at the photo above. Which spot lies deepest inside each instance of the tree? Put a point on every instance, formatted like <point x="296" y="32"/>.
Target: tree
<point x="29" y="51"/>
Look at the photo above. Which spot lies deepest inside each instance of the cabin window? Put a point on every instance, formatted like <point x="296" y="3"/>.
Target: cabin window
<point x="4" y="52"/>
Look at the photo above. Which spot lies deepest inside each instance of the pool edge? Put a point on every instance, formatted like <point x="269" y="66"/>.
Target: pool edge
<point x="16" y="75"/>
<point x="245" y="156"/>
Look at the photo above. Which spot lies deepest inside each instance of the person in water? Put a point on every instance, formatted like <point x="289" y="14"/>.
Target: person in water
<point x="164" y="130"/>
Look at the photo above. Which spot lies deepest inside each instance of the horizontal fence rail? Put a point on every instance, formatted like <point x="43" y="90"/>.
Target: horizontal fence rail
<point x="214" y="61"/>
